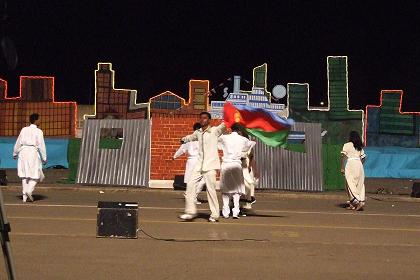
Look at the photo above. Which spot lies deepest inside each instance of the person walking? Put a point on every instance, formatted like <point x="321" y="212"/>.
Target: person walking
<point x="353" y="157"/>
<point x="31" y="154"/>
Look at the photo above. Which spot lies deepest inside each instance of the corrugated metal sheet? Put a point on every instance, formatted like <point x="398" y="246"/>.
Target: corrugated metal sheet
<point x="287" y="170"/>
<point x="127" y="166"/>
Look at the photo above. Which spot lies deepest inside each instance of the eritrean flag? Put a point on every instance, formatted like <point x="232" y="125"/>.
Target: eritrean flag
<point x="268" y="127"/>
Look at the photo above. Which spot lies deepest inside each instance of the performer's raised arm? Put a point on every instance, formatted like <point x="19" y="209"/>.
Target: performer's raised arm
<point x="182" y="150"/>
<point x="190" y="138"/>
<point x="220" y="129"/>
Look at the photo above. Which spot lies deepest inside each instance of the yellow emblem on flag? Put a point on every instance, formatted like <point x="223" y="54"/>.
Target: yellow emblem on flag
<point x="237" y="116"/>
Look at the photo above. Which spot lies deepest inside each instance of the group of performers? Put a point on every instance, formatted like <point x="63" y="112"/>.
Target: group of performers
<point x="237" y="176"/>
<point x="238" y="171"/>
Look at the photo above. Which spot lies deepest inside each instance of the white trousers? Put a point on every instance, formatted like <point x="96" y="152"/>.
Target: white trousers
<point x="249" y="181"/>
<point x="28" y="186"/>
<point x="200" y="187"/>
<point x="226" y="200"/>
<point x="210" y="181"/>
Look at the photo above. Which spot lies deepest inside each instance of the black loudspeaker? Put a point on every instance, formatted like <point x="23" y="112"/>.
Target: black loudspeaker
<point x="179" y="184"/>
<point x="3" y="178"/>
<point x="415" y="192"/>
<point x="117" y="219"/>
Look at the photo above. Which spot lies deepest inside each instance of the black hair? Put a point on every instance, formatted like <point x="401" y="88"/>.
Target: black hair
<point x="33" y="118"/>
<point x="196" y="126"/>
<point x="240" y="129"/>
<point x="356" y="140"/>
<point x="207" y="114"/>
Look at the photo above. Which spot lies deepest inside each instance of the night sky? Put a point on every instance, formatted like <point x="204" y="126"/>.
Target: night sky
<point x="156" y="46"/>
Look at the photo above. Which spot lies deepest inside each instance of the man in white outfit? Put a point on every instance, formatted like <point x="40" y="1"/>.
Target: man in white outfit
<point x="235" y="148"/>
<point x="31" y="153"/>
<point x="207" y="164"/>
<point x="191" y="149"/>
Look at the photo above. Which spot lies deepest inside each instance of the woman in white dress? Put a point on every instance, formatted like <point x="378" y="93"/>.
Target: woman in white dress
<point x="353" y="157"/>
<point x="31" y="153"/>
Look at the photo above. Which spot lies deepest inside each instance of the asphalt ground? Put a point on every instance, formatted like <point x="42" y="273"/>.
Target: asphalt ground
<point x="289" y="236"/>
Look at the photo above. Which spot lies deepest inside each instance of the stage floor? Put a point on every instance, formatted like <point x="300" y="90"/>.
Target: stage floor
<point x="309" y="238"/>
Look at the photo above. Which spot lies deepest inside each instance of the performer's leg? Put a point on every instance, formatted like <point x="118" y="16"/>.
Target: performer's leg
<point x="210" y="179"/>
<point x="198" y="190"/>
<point x="190" y="207"/>
<point x="235" y="210"/>
<point x="226" y="208"/>
<point x="200" y="186"/>
<point x="24" y="189"/>
<point x="31" y="187"/>
<point x="249" y="186"/>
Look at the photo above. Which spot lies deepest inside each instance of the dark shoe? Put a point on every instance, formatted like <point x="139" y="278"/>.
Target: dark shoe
<point x="253" y="200"/>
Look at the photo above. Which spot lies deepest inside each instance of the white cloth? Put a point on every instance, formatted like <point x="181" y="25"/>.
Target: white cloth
<point x="226" y="201"/>
<point x="209" y="178"/>
<point x="208" y="155"/>
<point x="235" y="147"/>
<point x="354" y="172"/>
<point x="28" y="187"/>
<point x="30" y="149"/>
<point x="249" y="179"/>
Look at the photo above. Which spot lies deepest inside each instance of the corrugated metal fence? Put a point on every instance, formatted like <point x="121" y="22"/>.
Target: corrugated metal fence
<point x="127" y="166"/>
<point x="286" y="170"/>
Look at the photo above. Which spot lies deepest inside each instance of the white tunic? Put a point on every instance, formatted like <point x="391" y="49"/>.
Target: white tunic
<point x="235" y="147"/>
<point x="30" y="148"/>
<point x="208" y="156"/>
<point x="191" y="149"/>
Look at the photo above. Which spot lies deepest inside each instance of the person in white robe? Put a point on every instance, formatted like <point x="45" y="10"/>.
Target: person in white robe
<point x="353" y="157"/>
<point x="235" y="148"/>
<point x="191" y="149"/>
<point x="250" y="179"/>
<point x="31" y="154"/>
<point x="207" y="165"/>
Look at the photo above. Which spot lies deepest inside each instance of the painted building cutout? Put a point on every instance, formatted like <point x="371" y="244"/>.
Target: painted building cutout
<point x="337" y="118"/>
<point x="115" y="103"/>
<point x="198" y="95"/>
<point x="388" y="125"/>
<point x="169" y="102"/>
<point x="36" y="95"/>
<point x="258" y="97"/>
<point x="166" y="101"/>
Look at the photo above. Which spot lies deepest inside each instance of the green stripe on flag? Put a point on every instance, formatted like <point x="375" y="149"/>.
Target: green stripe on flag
<point x="274" y="139"/>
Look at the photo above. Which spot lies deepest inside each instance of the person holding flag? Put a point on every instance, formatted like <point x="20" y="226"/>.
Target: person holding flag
<point x="235" y="148"/>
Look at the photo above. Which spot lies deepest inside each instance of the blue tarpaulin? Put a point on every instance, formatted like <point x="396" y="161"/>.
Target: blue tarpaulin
<point x="56" y="152"/>
<point x="392" y="162"/>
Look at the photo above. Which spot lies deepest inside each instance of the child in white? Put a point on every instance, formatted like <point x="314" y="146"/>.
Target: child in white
<point x="191" y="149"/>
<point x="235" y="147"/>
<point x="31" y="153"/>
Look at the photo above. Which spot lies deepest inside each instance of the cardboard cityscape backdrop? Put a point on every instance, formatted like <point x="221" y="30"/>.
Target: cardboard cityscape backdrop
<point x="384" y="124"/>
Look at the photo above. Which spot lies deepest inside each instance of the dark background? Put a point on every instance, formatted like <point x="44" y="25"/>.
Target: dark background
<point x="159" y="45"/>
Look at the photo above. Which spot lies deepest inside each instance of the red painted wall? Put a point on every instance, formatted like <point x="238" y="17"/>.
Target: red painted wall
<point x="167" y="130"/>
